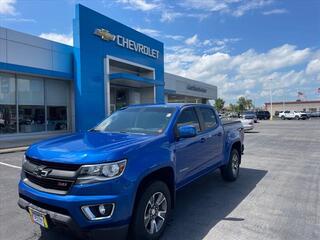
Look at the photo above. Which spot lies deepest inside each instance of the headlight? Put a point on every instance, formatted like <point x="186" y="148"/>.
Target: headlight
<point x="101" y="172"/>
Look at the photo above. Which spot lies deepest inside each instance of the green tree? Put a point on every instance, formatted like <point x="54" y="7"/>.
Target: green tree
<point x="233" y="107"/>
<point x="219" y="104"/>
<point x="242" y="103"/>
<point x="249" y="104"/>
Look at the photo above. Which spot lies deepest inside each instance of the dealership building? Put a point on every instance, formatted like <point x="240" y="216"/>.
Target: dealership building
<point x="48" y="87"/>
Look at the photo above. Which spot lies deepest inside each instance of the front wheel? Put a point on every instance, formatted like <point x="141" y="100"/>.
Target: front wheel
<point x="283" y="118"/>
<point x="230" y="172"/>
<point x="152" y="212"/>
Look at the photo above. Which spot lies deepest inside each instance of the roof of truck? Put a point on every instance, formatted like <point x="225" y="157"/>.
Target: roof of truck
<point x="176" y="105"/>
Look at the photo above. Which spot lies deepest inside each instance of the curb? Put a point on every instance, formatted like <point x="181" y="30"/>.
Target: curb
<point x="12" y="150"/>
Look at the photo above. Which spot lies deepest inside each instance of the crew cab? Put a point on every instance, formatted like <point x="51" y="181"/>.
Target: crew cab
<point x="122" y="175"/>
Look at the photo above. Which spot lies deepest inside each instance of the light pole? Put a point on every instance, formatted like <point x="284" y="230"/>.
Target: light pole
<point x="271" y="117"/>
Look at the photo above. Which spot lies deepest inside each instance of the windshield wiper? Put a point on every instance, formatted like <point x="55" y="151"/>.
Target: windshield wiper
<point x="94" y="130"/>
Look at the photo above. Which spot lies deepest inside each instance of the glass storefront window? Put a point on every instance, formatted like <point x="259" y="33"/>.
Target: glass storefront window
<point x="31" y="119"/>
<point x="31" y="104"/>
<point x="57" y="118"/>
<point x="8" y="119"/>
<point x="57" y="95"/>
<point x="41" y="105"/>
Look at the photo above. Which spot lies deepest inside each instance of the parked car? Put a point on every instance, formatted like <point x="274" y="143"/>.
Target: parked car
<point x="248" y="124"/>
<point x="263" y="115"/>
<point x="126" y="170"/>
<point x="250" y="115"/>
<point x="293" y="115"/>
<point x="315" y="114"/>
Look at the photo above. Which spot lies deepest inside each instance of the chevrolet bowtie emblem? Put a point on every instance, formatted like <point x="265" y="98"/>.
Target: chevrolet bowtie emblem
<point x="41" y="171"/>
<point x="104" y="34"/>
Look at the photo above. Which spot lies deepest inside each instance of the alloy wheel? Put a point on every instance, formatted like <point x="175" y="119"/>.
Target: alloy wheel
<point x="235" y="164"/>
<point x="155" y="213"/>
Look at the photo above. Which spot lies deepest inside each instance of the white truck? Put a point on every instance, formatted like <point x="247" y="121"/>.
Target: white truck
<point x="293" y="115"/>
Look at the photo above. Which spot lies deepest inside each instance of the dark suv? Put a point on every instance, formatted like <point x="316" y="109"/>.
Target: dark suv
<point x="263" y="115"/>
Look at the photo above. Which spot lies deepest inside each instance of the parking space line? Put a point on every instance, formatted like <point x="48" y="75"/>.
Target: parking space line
<point x="9" y="165"/>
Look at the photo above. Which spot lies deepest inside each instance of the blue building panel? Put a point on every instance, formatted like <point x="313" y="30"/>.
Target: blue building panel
<point x="90" y="52"/>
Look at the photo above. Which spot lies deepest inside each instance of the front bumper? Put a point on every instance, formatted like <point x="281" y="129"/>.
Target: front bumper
<point x="65" y="210"/>
<point x="65" y="221"/>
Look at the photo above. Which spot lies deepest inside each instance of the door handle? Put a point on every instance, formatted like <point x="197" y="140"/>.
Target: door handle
<point x="202" y="140"/>
<point x="218" y="134"/>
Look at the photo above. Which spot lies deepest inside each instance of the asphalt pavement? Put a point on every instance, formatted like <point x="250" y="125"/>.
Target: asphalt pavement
<point x="277" y="195"/>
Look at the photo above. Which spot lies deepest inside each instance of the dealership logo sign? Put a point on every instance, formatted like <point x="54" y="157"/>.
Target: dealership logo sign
<point x="127" y="43"/>
<point x="104" y="34"/>
<point x="196" y="88"/>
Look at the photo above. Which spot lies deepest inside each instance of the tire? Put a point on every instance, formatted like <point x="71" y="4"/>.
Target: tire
<point x="283" y="118"/>
<point x="146" y="208"/>
<point x="297" y="117"/>
<point x="230" y="172"/>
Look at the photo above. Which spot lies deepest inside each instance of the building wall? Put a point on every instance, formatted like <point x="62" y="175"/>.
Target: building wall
<point x="294" y="106"/>
<point x="39" y="73"/>
<point x="21" y="52"/>
<point x="188" y="87"/>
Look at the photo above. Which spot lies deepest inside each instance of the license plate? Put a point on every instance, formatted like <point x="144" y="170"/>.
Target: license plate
<point x="38" y="217"/>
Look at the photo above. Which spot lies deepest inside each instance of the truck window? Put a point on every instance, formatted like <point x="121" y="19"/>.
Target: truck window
<point x="188" y="117"/>
<point x="209" y="119"/>
<point x="143" y="120"/>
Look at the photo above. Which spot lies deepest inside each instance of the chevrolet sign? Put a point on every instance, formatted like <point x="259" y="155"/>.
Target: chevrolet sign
<point x="127" y="43"/>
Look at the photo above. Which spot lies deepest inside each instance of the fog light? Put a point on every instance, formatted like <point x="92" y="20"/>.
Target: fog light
<point x="102" y="209"/>
<point x="98" y="212"/>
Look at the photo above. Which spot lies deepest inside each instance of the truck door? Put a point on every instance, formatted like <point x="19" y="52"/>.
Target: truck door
<point x="188" y="151"/>
<point x="212" y="136"/>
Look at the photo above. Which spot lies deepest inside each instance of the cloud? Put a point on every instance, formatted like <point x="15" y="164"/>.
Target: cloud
<point x="169" y="16"/>
<point x="250" y="5"/>
<point x="24" y="20"/>
<point x="139" y="4"/>
<point x="275" y="11"/>
<point x="313" y="67"/>
<point x="192" y="40"/>
<point x="7" y="7"/>
<point x="61" y="38"/>
<point x="158" y="34"/>
<point x="149" y="31"/>
<point x="235" y="8"/>
<point x="249" y="72"/>
<point x="208" y="5"/>
<point x="175" y="37"/>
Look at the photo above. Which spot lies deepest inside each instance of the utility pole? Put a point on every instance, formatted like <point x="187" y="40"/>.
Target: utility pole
<point x="271" y="117"/>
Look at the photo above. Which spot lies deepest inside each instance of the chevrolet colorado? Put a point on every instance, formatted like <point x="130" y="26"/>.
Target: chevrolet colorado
<point x="122" y="175"/>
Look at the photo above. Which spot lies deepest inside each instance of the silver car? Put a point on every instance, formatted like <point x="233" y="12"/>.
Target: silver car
<point x="250" y="115"/>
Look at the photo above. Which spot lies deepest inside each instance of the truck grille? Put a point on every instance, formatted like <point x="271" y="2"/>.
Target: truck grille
<point x="50" y="183"/>
<point x="48" y="176"/>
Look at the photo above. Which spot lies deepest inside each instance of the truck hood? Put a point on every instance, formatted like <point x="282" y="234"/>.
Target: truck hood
<point x="88" y="147"/>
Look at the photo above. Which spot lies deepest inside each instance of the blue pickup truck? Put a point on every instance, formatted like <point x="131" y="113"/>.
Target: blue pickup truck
<point x="122" y="176"/>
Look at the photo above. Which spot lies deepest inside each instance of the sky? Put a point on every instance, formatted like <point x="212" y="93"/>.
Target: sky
<point x="245" y="47"/>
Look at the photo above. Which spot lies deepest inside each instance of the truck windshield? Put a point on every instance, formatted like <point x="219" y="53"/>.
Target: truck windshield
<point x="139" y="120"/>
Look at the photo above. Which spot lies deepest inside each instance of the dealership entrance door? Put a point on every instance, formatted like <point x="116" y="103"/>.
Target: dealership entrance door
<point x="127" y="84"/>
<point x="122" y="96"/>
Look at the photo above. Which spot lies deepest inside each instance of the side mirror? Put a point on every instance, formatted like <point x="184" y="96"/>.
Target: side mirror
<point x="187" y="131"/>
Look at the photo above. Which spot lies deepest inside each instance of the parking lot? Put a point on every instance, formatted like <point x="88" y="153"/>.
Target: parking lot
<point x="277" y="195"/>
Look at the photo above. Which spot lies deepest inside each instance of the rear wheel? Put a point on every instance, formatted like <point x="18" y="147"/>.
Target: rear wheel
<point x="230" y="172"/>
<point x="296" y="117"/>
<point x="152" y="212"/>
<point x="283" y="118"/>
